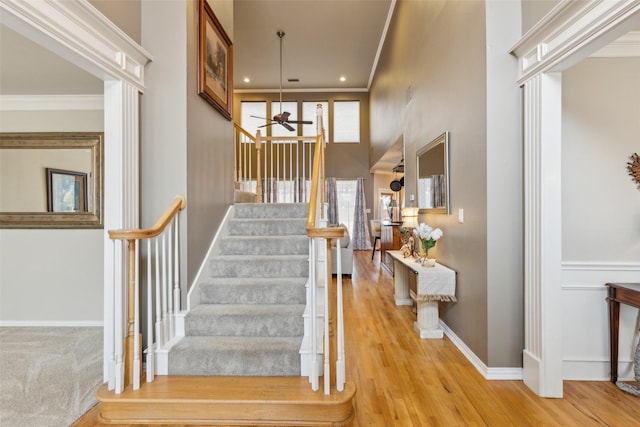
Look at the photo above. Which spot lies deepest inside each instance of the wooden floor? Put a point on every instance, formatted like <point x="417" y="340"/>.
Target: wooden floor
<point x="404" y="381"/>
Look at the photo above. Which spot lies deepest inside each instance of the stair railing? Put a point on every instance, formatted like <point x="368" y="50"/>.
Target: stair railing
<point x="274" y="168"/>
<point x="320" y="238"/>
<point x="161" y="285"/>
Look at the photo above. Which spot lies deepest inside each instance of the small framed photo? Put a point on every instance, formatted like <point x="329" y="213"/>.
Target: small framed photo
<point x="66" y="191"/>
<point x="215" y="62"/>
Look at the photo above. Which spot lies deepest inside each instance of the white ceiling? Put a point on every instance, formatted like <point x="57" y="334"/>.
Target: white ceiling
<point x="324" y="40"/>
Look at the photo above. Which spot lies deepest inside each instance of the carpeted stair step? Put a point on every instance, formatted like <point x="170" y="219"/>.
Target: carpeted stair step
<point x="271" y="210"/>
<point x="241" y="290"/>
<point x="267" y="227"/>
<point x="259" y="266"/>
<point x="249" y="320"/>
<point x="248" y="356"/>
<point x="261" y="245"/>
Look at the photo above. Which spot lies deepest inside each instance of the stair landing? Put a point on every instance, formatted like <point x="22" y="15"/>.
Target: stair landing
<point x="265" y="401"/>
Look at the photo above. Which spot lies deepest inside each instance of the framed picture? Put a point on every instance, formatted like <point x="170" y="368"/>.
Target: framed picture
<point x="215" y="62"/>
<point x="66" y="191"/>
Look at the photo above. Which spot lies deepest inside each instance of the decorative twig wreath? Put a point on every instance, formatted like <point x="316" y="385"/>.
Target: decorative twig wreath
<point x="634" y="168"/>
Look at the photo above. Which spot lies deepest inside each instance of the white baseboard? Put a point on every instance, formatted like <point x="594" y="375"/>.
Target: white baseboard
<point x="485" y="371"/>
<point x="51" y="323"/>
<point x="595" y="370"/>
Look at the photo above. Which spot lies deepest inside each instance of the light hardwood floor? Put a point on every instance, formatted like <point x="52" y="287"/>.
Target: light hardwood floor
<point x="404" y="381"/>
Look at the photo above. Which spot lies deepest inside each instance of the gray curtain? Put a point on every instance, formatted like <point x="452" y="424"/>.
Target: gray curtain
<point x="299" y="187"/>
<point x="361" y="237"/>
<point x="332" y="201"/>
<point x="269" y="190"/>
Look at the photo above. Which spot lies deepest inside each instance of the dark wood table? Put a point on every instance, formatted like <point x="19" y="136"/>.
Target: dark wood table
<point x="625" y="293"/>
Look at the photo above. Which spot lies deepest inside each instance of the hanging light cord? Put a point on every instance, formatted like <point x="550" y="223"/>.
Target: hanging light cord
<point x="281" y="35"/>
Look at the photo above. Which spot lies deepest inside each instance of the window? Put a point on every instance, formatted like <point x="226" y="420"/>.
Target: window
<point x="249" y="109"/>
<point x="346" y="121"/>
<point x="291" y="107"/>
<point x="309" y="113"/>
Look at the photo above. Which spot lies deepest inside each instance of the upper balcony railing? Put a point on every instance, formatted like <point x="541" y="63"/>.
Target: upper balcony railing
<point x="276" y="169"/>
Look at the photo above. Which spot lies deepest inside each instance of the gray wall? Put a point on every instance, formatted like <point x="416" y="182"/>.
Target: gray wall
<point x="430" y="48"/>
<point x="534" y="10"/>
<point x="187" y="146"/>
<point x="209" y="147"/>
<point x="126" y="14"/>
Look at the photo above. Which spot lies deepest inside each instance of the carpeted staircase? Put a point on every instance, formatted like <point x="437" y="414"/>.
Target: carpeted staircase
<point x="252" y="298"/>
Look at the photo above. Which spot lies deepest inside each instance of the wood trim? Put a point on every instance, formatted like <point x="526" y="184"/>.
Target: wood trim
<point x="228" y="400"/>
<point x="178" y="204"/>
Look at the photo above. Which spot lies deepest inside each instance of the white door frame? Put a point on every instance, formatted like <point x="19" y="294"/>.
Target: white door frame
<point x="568" y="34"/>
<point x="78" y="32"/>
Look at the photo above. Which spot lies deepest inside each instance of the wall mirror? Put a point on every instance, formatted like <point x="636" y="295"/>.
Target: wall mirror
<point x="433" y="176"/>
<point x="51" y="180"/>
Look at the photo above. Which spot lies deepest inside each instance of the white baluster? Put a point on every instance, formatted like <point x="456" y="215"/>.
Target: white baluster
<point x="136" y="321"/>
<point x="160" y="338"/>
<point x="170" y="302"/>
<point x="150" y="359"/>
<point x="119" y="335"/>
<point x="110" y="327"/>
<point x="327" y="351"/>
<point x="176" y="265"/>
<point x="340" y="363"/>
<point x="314" y="304"/>
<point x="165" y="309"/>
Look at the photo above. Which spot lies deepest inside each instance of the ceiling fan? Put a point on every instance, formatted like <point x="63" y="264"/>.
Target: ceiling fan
<point x="283" y="117"/>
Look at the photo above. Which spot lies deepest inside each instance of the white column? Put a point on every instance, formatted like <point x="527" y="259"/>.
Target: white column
<point x="428" y="325"/>
<point x="121" y="207"/>
<point x="542" y="356"/>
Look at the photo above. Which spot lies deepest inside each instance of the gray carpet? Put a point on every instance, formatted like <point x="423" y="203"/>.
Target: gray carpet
<point x="252" y="297"/>
<point x="48" y="375"/>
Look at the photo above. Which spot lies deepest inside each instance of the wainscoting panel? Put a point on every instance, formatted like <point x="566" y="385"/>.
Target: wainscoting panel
<point x="586" y="320"/>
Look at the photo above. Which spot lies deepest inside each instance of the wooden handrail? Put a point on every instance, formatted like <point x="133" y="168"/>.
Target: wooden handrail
<point x="244" y="132"/>
<point x="312" y="230"/>
<point x="178" y="204"/>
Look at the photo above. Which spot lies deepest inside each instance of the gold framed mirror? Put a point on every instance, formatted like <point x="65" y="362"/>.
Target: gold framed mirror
<point x="51" y="180"/>
<point x="432" y="167"/>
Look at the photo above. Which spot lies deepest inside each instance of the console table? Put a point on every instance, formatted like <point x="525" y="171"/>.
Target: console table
<point x="625" y="293"/>
<point x="427" y="286"/>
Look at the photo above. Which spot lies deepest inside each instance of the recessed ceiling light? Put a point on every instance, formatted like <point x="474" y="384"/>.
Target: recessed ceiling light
<point x="247" y="79"/>
<point x="343" y="79"/>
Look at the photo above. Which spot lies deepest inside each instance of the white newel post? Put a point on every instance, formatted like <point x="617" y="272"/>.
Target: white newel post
<point x="542" y="356"/>
<point x="121" y="201"/>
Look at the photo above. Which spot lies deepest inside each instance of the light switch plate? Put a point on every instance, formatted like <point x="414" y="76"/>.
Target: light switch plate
<point x="460" y="215"/>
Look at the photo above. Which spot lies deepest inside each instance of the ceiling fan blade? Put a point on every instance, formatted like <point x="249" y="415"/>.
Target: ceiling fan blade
<point x="300" y="122"/>
<point x="268" y="124"/>
<point x="286" y="125"/>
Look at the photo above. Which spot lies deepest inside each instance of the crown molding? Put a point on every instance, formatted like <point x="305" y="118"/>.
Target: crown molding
<point x="568" y="28"/>
<point x="78" y="32"/>
<point x="51" y="102"/>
